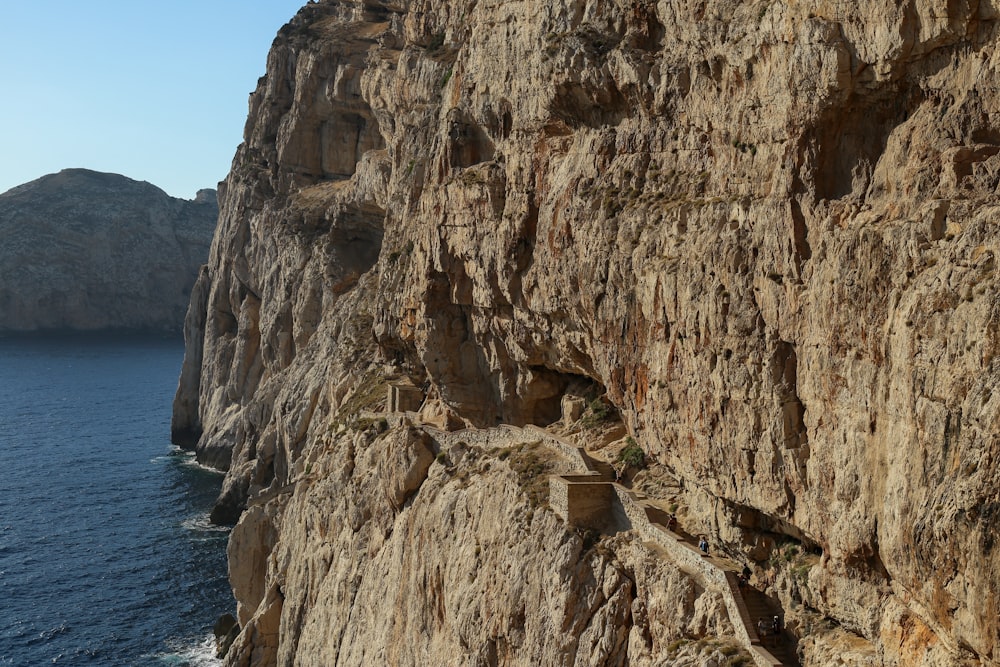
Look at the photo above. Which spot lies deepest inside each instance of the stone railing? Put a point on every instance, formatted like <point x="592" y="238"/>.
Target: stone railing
<point x="584" y="501"/>
<point x="590" y="500"/>
<point x="575" y="454"/>
<point x="497" y="437"/>
<point x="581" y="500"/>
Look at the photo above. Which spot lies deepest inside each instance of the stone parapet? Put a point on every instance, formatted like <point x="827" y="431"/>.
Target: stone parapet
<point x="692" y="560"/>
<point x="589" y="501"/>
<point x="586" y="504"/>
<point x="497" y="437"/>
<point x="572" y="452"/>
<point x="404" y="397"/>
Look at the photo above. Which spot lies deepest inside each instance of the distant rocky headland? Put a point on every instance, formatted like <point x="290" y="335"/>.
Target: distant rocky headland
<point x="88" y="251"/>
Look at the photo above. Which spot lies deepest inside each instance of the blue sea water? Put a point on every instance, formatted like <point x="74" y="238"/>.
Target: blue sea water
<point x="106" y="553"/>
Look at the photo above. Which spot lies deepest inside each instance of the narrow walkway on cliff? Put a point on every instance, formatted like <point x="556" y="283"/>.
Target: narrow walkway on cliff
<point x="593" y="499"/>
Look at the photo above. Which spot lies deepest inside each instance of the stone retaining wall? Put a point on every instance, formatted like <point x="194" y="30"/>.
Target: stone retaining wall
<point x="581" y="501"/>
<point x="589" y="500"/>
<point x="593" y="504"/>
<point x="571" y="451"/>
<point x="690" y="559"/>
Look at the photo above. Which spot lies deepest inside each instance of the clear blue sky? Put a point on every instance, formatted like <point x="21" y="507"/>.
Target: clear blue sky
<point x="156" y="91"/>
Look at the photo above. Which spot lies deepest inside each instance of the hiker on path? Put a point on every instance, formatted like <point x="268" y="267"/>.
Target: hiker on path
<point x="762" y="631"/>
<point x="703" y="545"/>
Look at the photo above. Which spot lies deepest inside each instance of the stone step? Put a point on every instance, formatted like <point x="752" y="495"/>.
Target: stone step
<point x="759" y="607"/>
<point x="606" y="471"/>
<point x="758" y="610"/>
<point x="753" y="604"/>
<point x="785" y="652"/>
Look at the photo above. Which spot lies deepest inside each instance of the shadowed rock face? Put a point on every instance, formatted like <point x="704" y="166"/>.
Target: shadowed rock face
<point x="87" y="251"/>
<point x="766" y="230"/>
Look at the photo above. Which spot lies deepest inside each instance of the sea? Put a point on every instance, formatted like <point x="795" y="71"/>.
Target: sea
<point x="107" y="556"/>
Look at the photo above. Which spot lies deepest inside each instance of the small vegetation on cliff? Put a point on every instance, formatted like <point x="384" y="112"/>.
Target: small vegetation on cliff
<point x="405" y="251"/>
<point x="375" y="424"/>
<point x="533" y="464"/>
<point x="744" y="147"/>
<point x="786" y="553"/>
<point x="369" y="393"/>
<point x="632" y="454"/>
<point x="597" y="413"/>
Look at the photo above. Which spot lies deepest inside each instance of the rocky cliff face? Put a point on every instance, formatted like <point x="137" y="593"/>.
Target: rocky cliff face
<point x="764" y="232"/>
<point x="84" y="250"/>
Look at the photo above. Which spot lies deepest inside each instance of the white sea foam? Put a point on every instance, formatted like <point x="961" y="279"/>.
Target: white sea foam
<point x="202" y="523"/>
<point x="184" y="458"/>
<point x="199" y="654"/>
<point x="175" y="454"/>
<point x="192" y="462"/>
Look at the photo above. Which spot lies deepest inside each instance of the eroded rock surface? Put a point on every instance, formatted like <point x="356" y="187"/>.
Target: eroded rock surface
<point x="764" y="231"/>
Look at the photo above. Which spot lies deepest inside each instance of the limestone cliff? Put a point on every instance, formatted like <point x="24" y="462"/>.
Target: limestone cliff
<point x="84" y="250"/>
<point x="764" y="232"/>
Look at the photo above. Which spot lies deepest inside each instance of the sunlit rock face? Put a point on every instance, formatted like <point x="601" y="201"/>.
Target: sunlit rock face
<point x="90" y="251"/>
<point x="765" y="232"/>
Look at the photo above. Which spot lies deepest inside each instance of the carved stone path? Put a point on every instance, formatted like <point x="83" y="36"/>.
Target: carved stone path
<point x="593" y="500"/>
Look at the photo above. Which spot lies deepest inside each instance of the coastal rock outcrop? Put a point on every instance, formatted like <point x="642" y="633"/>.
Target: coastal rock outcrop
<point x="87" y="251"/>
<point x="762" y="233"/>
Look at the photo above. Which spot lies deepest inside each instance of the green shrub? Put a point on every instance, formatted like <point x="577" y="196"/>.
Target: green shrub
<point x="632" y="455"/>
<point x="599" y="408"/>
<point x="532" y="463"/>
<point x="598" y="411"/>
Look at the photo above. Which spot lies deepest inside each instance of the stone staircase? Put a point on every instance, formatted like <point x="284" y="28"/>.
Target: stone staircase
<point x="759" y="606"/>
<point x="605" y="470"/>
<point x="592" y="499"/>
